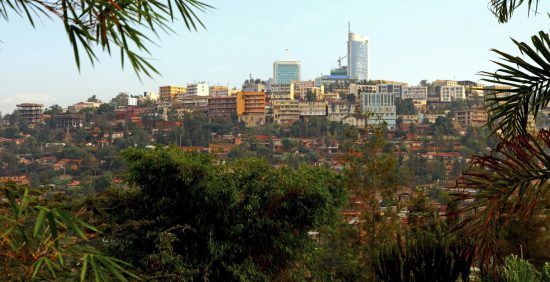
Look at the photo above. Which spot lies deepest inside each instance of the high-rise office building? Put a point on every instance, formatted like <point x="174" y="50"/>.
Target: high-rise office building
<point x="358" y="56"/>
<point x="380" y="108"/>
<point x="285" y="72"/>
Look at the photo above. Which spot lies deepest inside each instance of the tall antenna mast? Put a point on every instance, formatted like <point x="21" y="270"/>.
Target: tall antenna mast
<point x="349" y="27"/>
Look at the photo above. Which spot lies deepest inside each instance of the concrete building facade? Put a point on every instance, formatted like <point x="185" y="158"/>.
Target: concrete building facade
<point x="379" y="108"/>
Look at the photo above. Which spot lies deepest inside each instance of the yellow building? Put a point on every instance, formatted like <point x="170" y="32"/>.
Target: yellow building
<point x="445" y="82"/>
<point x="286" y="111"/>
<point x="219" y="91"/>
<point x="169" y="92"/>
<point x="251" y="107"/>
<point x="317" y="108"/>
<point x="282" y="91"/>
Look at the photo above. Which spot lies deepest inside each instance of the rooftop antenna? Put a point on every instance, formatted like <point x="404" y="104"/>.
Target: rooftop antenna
<point x="349" y="27"/>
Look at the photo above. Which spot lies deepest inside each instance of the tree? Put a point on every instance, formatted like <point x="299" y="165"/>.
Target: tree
<point x="509" y="182"/>
<point x="191" y="216"/>
<point x="512" y="180"/>
<point x="121" y="100"/>
<point x="39" y="242"/>
<point x="421" y="210"/>
<point x="310" y="96"/>
<point x="53" y="110"/>
<point x="94" y="99"/>
<point x="442" y="126"/>
<point x="373" y="174"/>
<point x="504" y="9"/>
<point x="122" y="25"/>
<point x="404" y="107"/>
<point x="337" y="256"/>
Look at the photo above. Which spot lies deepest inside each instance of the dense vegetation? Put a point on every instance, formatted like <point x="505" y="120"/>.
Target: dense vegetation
<point x="191" y="216"/>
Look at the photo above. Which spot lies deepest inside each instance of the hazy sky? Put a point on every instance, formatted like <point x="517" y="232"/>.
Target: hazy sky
<point x="409" y="41"/>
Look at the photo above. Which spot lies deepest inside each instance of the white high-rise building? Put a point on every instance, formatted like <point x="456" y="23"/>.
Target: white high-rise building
<point x="452" y="93"/>
<point x="199" y="89"/>
<point x="379" y="108"/>
<point x="358" y="56"/>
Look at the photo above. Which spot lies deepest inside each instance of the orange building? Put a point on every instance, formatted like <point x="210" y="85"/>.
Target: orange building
<point x="251" y="107"/>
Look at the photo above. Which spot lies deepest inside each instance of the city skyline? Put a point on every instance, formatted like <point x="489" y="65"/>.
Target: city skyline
<point x="316" y="35"/>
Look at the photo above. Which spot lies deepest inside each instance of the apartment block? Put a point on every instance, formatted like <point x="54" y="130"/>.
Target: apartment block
<point x="198" y="89"/>
<point x="415" y="92"/>
<point x="251" y="108"/>
<point x="309" y="109"/>
<point x="391" y="88"/>
<point x="472" y="88"/>
<point x="286" y="112"/>
<point x="218" y="91"/>
<point x="357" y="89"/>
<point x="192" y="103"/>
<point x="281" y="91"/>
<point x="472" y="117"/>
<point x="222" y="105"/>
<point x="169" y="92"/>
<point x="418" y="95"/>
<point x="337" y="111"/>
<point x="452" y="93"/>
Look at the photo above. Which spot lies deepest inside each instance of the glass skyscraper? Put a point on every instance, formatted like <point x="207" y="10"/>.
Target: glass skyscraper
<point x="285" y="72"/>
<point x="358" y="56"/>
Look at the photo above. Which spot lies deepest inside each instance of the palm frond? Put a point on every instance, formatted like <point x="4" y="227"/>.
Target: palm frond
<point x="508" y="182"/>
<point x="120" y="24"/>
<point x="40" y="242"/>
<point x="504" y="9"/>
<point x="527" y="92"/>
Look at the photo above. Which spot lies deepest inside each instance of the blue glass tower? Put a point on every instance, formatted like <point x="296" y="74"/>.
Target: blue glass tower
<point x="285" y="72"/>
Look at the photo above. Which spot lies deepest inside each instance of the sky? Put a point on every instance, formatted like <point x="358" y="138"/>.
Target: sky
<point x="409" y="41"/>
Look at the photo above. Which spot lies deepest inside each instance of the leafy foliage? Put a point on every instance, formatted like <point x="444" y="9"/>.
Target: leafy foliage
<point x="423" y="257"/>
<point x="111" y="24"/>
<point x="510" y="109"/>
<point x="518" y="270"/>
<point x="39" y="242"/>
<point x="504" y="9"/>
<point x="390" y="264"/>
<point x="336" y="257"/>
<point x="193" y="216"/>
<point x="511" y="181"/>
<point x="442" y="126"/>
<point x="405" y="106"/>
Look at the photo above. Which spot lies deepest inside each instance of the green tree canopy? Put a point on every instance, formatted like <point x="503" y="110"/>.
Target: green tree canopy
<point x="193" y="216"/>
